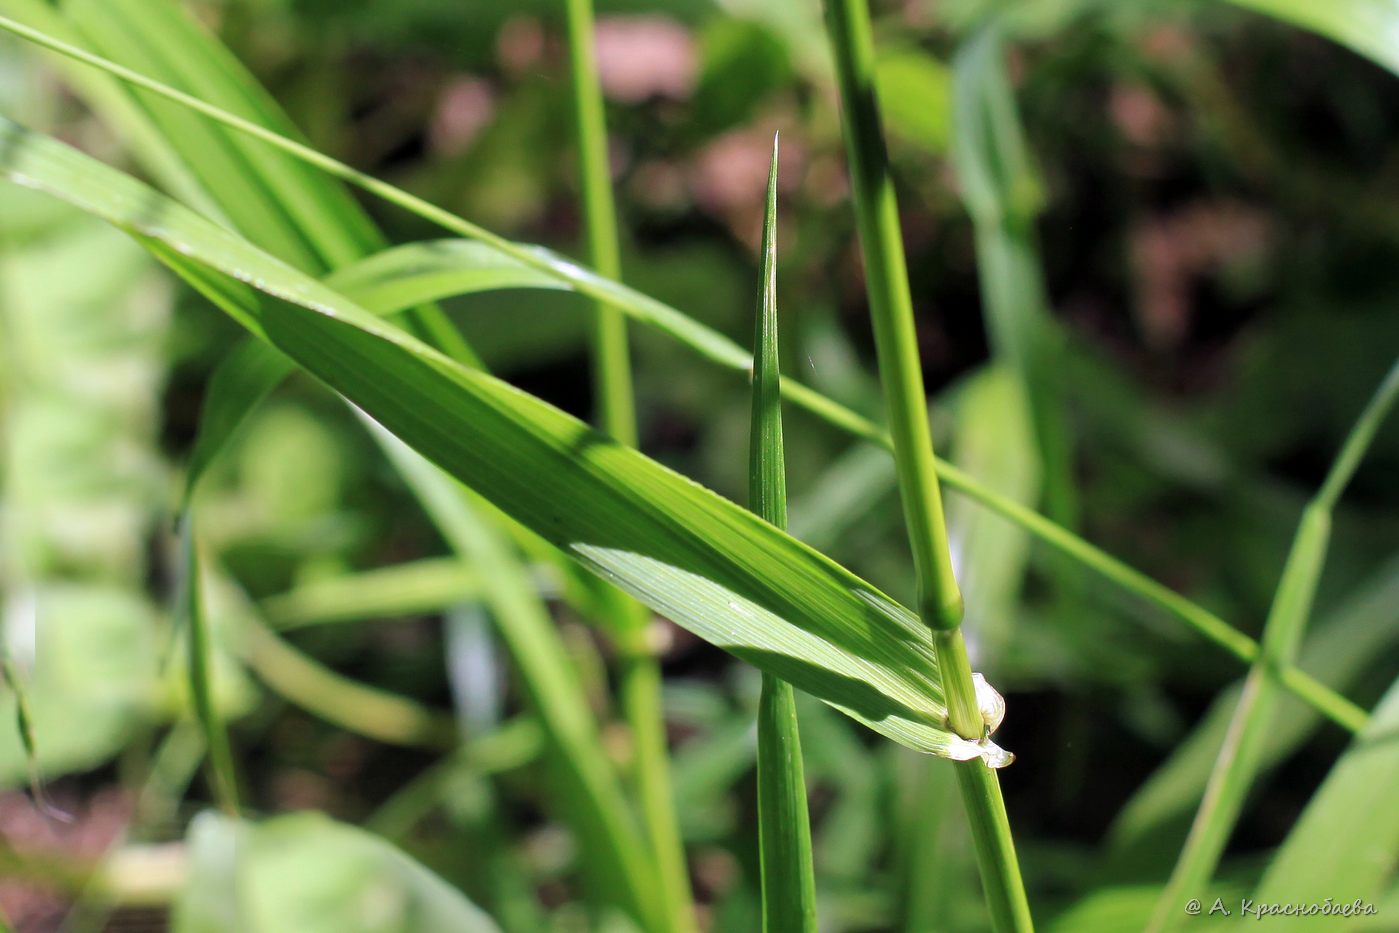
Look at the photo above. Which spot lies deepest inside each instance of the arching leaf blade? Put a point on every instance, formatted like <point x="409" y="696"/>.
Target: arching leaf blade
<point x="705" y="562"/>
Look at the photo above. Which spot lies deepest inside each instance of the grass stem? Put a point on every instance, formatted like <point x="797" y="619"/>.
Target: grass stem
<point x="201" y="674"/>
<point x="639" y="674"/>
<point x="900" y="368"/>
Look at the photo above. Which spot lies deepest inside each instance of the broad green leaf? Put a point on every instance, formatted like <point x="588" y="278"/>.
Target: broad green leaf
<point x="306" y="873"/>
<point x="1369" y="27"/>
<point x="708" y="564"/>
<point x="1346" y="844"/>
<point x="386" y="283"/>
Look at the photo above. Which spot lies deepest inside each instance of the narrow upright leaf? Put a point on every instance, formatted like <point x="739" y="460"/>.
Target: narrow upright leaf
<point x="206" y="711"/>
<point x="1002" y="195"/>
<point x="784" y="824"/>
<point x="638" y="667"/>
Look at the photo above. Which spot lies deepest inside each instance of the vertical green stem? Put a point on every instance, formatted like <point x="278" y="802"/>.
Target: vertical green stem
<point x="612" y="387"/>
<point x="639" y="673"/>
<point x="221" y="774"/>
<point x="1241" y="755"/>
<point x="891" y="307"/>
<point x="1001" y="193"/>
<point x="784" y="824"/>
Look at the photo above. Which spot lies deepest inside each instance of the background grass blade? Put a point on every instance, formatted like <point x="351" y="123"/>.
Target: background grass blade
<point x="994" y="439"/>
<point x="1206" y="623"/>
<point x="784" y="824"/>
<point x="639" y="672"/>
<point x="353" y="706"/>
<point x="431" y="584"/>
<point x="612" y="385"/>
<point x="1238" y="762"/>
<point x="24" y="726"/>
<point x="221" y="774"/>
<point x="1003" y="196"/>
<point x="615" y="854"/>
<point x="891" y="309"/>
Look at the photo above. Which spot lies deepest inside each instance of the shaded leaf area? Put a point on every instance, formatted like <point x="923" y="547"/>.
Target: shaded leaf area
<point x="1345" y="846"/>
<point x="1368" y="27"/>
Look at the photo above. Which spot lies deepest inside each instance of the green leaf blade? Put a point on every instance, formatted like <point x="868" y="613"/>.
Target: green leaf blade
<point x="201" y="667"/>
<point x="784" y="823"/>
<point x="706" y="562"/>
